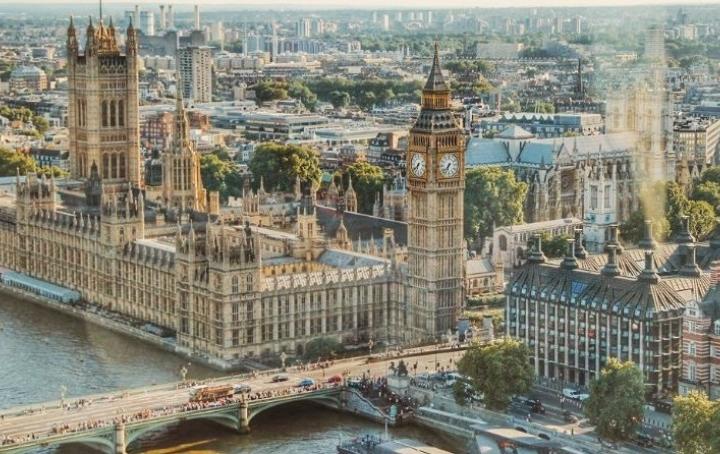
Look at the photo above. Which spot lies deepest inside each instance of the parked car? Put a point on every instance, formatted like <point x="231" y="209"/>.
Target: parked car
<point x="575" y="394"/>
<point x="535" y="406"/>
<point x="242" y="388"/>
<point x="306" y="383"/>
<point x="280" y="377"/>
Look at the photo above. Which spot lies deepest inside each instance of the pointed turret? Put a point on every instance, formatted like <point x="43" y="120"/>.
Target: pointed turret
<point x="131" y="42"/>
<point x="436" y="80"/>
<point x="90" y="44"/>
<point x="350" y="196"/>
<point x="72" y="44"/>
<point x="182" y="133"/>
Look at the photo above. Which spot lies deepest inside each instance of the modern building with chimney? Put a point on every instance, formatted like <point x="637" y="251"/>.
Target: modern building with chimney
<point x="578" y="312"/>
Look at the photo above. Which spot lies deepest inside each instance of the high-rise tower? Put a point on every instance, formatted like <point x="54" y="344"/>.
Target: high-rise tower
<point x="436" y="181"/>
<point x="103" y="107"/>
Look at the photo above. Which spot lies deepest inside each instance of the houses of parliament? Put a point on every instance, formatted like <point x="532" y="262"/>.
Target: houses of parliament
<point x="229" y="286"/>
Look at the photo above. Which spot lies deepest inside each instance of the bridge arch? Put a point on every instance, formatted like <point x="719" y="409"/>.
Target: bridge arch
<point x="225" y="419"/>
<point x="105" y="444"/>
<point x="334" y="400"/>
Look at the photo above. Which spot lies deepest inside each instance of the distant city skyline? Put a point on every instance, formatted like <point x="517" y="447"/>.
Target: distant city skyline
<point x="379" y="4"/>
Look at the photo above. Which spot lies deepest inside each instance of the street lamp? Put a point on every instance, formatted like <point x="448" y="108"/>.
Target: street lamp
<point x="63" y="390"/>
<point x="184" y="371"/>
<point x="283" y="357"/>
<point x="371" y="344"/>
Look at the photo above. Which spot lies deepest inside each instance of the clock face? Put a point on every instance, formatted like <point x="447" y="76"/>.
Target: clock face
<point x="417" y="165"/>
<point x="449" y="165"/>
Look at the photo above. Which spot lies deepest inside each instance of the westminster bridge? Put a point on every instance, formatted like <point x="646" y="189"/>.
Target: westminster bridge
<point x="112" y="422"/>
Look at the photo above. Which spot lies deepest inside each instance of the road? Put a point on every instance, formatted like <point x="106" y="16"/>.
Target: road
<point x="40" y="420"/>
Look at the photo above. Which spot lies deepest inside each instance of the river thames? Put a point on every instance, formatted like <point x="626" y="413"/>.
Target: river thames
<point x="44" y="353"/>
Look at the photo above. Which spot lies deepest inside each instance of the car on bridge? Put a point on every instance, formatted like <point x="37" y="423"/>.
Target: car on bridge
<point x="337" y="378"/>
<point x="280" y="377"/>
<point x="306" y="383"/>
<point x="211" y="393"/>
<point x="242" y="388"/>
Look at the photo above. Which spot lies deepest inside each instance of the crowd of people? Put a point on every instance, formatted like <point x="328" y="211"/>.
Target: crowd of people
<point x="376" y="389"/>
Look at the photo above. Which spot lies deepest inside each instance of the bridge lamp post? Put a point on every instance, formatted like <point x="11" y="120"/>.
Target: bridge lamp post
<point x="371" y="344"/>
<point x="283" y="358"/>
<point x="63" y="390"/>
<point x="184" y="371"/>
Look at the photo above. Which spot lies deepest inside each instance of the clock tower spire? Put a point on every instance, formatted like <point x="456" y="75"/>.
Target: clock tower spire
<point x="436" y="181"/>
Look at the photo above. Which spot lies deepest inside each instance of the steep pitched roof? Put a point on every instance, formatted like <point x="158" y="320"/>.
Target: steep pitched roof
<point x="515" y="132"/>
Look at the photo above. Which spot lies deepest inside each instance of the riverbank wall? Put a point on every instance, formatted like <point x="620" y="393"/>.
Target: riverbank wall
<point x="82" y="313"/>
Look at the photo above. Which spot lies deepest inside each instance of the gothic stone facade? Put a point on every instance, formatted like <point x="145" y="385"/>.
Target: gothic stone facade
<point x="229" y="289"/>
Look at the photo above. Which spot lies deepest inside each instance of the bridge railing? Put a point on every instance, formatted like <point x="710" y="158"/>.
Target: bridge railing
<point x="423" y="350"/>
<point x="160" y="414"/>
<point x="39" y="406"/>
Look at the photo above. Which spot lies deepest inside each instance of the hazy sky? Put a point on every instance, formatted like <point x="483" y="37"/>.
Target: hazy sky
<point x="379" y="3"/>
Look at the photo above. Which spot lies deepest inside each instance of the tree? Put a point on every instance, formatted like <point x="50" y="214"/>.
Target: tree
<point x="300" y="91"/>
<point x="460" y="392"/>
<point x="617" y="397"/>
<point x="555" y="246"/>
<point x="493" y="197"/>
<point x="340" y="99"/>
<point x="267" y="90"/>
<point x="544" y="107"/>
<point x="41" y="124"/>
<point x="675" y="205"/>
<point x="220" y="175"/>
<point x="702" y="218"/>
<point x="279" y="165"/>
<point x="11" y="162"/>
<point x="482" y="86"/>
<point x="693" y="416"/>
<point x="322" y="348"/>
<point x="213" y="171"/>
<point x="52" y="171"/>
<point x="711" y="174"/>
<point x="367" y="180"/>
<point x="498" y="370"/>
<point x="708" y="191"/>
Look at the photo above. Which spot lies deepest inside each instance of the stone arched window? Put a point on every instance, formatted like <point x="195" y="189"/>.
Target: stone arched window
<point x="121" y="113"/>
<point x="122" y="166"/>
<point x="104" y="113"/>
<point x="114" y="165"/>
<point x="113" y="114"/>
<point x="106" y="166"/>
<point x="503" y="243"/>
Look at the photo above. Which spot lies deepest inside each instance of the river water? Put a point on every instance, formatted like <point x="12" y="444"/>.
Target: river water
<point x="44" y="353"/>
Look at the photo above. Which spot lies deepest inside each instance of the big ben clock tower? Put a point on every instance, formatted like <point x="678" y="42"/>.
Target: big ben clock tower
<point x="436" y="181"/>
